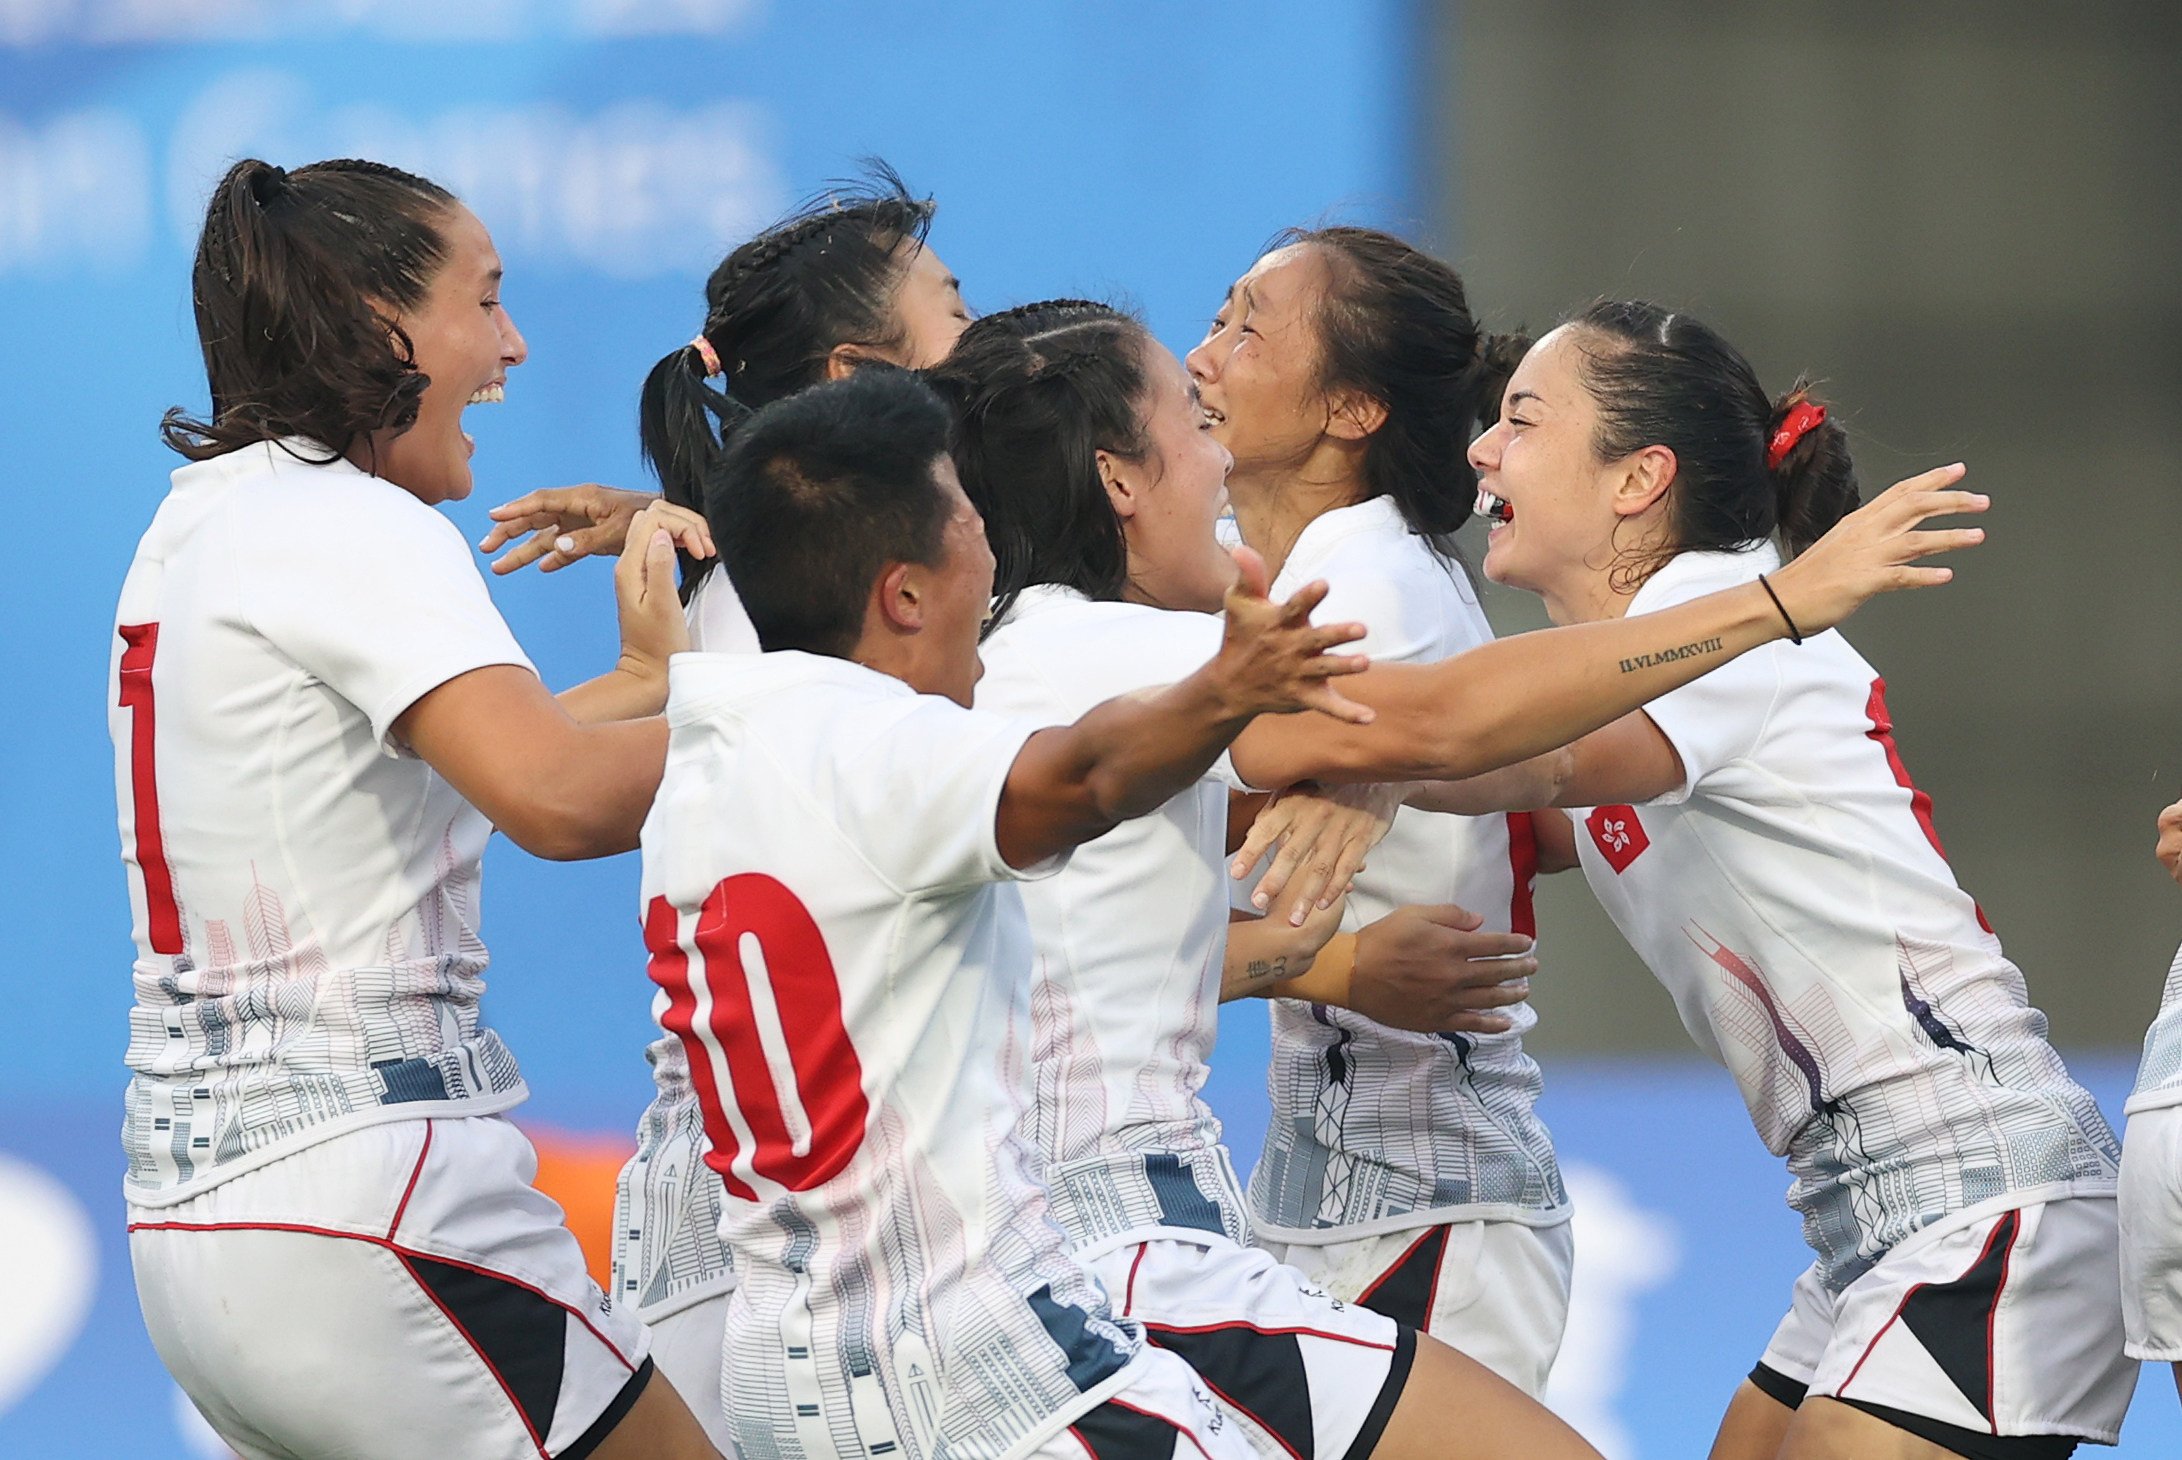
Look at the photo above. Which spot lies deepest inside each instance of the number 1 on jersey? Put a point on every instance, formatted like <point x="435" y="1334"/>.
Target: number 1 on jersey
<point x="140" y="642"/>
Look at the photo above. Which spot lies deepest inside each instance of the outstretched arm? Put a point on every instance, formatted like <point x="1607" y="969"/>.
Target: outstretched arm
<point x="1132" y="754"/>
<point x="1515" y="698"/>
<point x="567" y="523"/>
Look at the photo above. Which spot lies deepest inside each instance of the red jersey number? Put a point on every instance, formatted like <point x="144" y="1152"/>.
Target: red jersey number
<point x="805" y="1128"/>
<point x="140" y="642"/>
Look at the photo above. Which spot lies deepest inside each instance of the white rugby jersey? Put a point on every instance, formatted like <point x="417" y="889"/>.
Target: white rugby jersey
<point x="1130" y="940"/>
<point x="1793" y="898"/>
<point x="847" y="963"/>
<point x="1376" y="1129"/>
<point x="2159" y="1074"/>
<point x="718" y="624"/>
<point x="667" y="1251"/>
<point x="304" y="892"/>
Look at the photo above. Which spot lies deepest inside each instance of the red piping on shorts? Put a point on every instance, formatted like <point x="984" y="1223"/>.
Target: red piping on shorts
<point x="1077" y="1435"/>
<point x="1178" y="1427"/>
<point x="1431" y="1294"/>
<point x="1992" y="1324"/>
<point x="1916" y="1288"/>
<point x="1269" y="1332"/>
<point x="537" y="1441"/>
<point x="1252" y="1415"/>
<point x="407" y="1191"/>
<point x="399" y="1251"/>
<point x="1128" y="1297"/>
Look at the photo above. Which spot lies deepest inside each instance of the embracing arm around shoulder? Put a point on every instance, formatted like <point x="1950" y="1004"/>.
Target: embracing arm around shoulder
<point x="1628" y="762"/>
<point x="1509" y="700"/>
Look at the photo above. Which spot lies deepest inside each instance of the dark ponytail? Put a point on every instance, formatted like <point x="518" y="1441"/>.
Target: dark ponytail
<point x="1037" y="393"/>
<point x="775" y="310"/>
<point x="1665" y="379"/>
<point x="292" y="273"/>
<point x="1395" y="326"/>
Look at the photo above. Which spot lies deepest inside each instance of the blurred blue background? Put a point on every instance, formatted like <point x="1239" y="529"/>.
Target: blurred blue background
<point x="617" y="148"/>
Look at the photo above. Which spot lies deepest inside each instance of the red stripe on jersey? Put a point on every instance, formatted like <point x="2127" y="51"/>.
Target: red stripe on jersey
<point x="1920" y="805"/>
<point x="1523" y="862"/>
<point x="140" y="645"/>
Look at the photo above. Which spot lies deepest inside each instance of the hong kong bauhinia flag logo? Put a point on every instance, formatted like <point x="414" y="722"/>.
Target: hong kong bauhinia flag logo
<point x="1618" y="834"/>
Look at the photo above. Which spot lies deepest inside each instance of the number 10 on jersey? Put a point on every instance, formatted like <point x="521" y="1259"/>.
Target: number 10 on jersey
<point x="752" y="995"/>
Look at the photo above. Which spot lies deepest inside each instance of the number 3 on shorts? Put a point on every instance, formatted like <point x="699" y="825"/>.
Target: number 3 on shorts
<point x="753" y="979"/>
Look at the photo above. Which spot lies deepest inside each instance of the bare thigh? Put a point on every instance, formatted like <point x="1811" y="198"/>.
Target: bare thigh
<point x="1753" y="1427"/>
<point x="1454" y="1408"/>
<point x="1826" y="1429"/>
<point x="658" y="1426"/>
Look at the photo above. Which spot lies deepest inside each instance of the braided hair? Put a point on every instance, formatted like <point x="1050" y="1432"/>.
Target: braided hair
<point x="1038" y="392"/>
<point x="293" y="277"/>
<point x="775" y="310"/>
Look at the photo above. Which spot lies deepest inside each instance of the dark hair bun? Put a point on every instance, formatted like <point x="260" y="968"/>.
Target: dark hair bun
<point x="1815" y="480"/>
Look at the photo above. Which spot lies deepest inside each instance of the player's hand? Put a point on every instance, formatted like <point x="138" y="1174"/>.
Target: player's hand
<point x="1323" y="834"/>
<point x="1429" y="969"/>
<point x="1274" y="660"/>
<point x="1277" y="949"/>
<point x="1873" y="550"/>
<point x="2170" y="840"/>
<point x="652" y="625"/>
<point x="567" y="523"/>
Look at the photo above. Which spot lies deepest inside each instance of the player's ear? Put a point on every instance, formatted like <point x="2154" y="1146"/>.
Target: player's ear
<point x="1644" y="477"/>
<point x="1123" y="484"/>
<point x="845" y="360"/>
<point x="899" y="598"/>
<point x="1351" y="415"/>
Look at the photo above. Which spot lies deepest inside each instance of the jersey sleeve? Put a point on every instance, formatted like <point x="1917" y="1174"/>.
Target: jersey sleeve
<point x="376" y="595"/>
<point x="924" y="796"/>
<point x="1717" y="718"/>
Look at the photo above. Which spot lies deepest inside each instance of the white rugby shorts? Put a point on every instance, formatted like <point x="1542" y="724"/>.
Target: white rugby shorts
<point x="1998" y="1323"/>
<point x="1495" y="1291"/>
<point x="2151" y="1233"/>
<point x="1162" y="1411"/>
<point x="398" y="1290"/>
<point x="1316" y="1375"/>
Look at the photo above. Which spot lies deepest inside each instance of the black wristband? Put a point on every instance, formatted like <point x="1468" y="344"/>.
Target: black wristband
<point x="1795" y="635"/>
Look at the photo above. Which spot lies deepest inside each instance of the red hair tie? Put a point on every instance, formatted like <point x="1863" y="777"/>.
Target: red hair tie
<point x="1801" y="419"/>
<point x="710" y="356"/>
